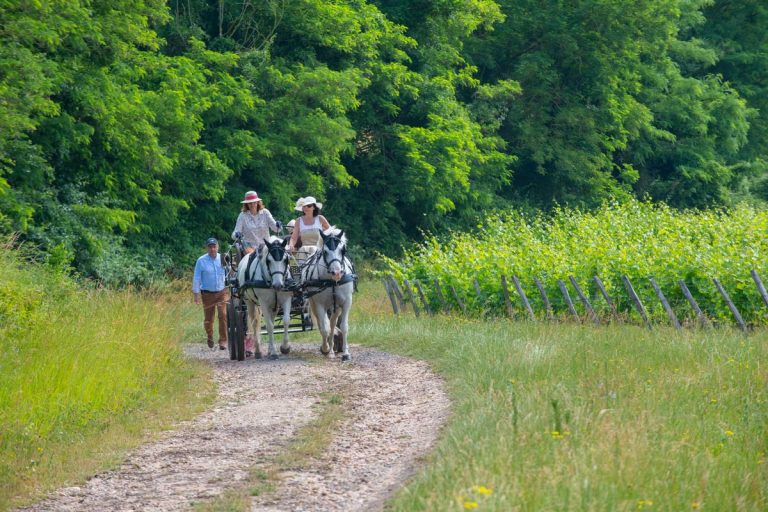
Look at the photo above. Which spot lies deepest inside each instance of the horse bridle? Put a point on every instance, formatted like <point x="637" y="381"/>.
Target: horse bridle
<point x="331" y="242"/>
<point x="278" y="253"/>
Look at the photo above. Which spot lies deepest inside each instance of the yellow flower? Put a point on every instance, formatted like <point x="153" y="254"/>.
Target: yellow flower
<point x="696" y="505"/>
<point x="641" y="504"/>
<point x="481" y="489"/>
<point x="729" y="432"/>
<point x="470" y="505"/>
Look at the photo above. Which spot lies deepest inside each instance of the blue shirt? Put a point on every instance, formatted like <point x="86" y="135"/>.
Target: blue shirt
<point x="209" y="274"/>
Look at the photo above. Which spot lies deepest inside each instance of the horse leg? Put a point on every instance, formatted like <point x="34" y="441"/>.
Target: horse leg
<point x="254" y="321"/>
<point x="334" y="329"/>
<point x="322" y="324"/>
<point x="344" y="327"/>
<point x="269" y="318"/>
<point x="285" y="348"/>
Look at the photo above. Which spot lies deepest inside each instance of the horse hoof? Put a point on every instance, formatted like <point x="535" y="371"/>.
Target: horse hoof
<point x="274" y="357"/>
<point x="325" y="352"/>
<point x="346" y="357"/>
<point x="286" y="350"/>
<point x="257" y="355"/>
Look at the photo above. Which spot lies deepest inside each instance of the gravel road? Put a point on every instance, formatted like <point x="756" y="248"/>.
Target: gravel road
<point x="395" y="408"/>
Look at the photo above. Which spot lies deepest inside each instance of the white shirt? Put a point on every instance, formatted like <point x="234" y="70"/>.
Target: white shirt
<point x="255" y="228"/>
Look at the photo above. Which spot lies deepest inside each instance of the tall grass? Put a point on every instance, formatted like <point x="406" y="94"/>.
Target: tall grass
<point x="82" y="373"/>
<point x="564" y="417"/>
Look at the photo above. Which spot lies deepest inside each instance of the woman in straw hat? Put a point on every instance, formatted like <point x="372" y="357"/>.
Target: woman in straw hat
<point x="307" y="227"/>
<point x="254" y="222"/>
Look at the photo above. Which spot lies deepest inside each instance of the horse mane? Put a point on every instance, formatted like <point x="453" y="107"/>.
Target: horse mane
<point x="333" y="230"/>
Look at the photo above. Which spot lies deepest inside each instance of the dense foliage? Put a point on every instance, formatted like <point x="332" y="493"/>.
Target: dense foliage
<point x="635" y="239"/>
<point x="130" y="130"/>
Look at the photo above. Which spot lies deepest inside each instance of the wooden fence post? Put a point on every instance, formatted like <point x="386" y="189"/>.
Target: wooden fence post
<point x="604" y="292"/>
<point x="507" y="301"/>
<point x="665" y="303"/>
<point x="636" y="300"/>
<point x="544" y="298"/>
<point x="391" y="295"/>
<point x="568" y="301"/>
<point x="760" y="287"/>
<point x="521" y="292"/>
<point x="458" y="300"/>
<point x="478" y="291"/>
<point x="398" y="293"/>
<point x="730" y="304"/>
<point x="411" y="297"/>
<point x="423" y="298"/>
<point x="584" y="300"/>
<point x="441" y="297"/>
<point x="694" y="305"/>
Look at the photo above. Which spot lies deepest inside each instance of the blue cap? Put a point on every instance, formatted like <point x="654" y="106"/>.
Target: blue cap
<point x="211" y="241"/>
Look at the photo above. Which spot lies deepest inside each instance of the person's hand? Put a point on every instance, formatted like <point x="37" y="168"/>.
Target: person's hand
<point x="279" y="225"/>
<point x="197" y="298"/>
<point x="238" y="235"/>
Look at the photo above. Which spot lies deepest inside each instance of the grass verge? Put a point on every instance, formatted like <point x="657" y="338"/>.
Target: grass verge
<point x="85" y="375"/>
<point x="568" y="417"/>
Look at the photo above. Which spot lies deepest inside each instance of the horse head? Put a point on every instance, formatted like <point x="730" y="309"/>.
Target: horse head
<point x="334" y="252"/>
<point x="276" y="262"/>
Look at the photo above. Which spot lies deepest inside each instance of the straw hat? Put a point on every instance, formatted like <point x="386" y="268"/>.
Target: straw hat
<point x="251" y="197"/>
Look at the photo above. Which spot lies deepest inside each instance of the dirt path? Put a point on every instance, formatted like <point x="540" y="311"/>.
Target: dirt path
<point x="396" y="406"/>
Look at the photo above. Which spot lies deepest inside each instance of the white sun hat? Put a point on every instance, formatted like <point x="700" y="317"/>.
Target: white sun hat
<point x="311" y="200"/>
<point x="299" y="204"/>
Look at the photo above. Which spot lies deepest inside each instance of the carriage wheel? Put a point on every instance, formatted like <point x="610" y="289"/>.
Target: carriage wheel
<point x="235" y="329"/>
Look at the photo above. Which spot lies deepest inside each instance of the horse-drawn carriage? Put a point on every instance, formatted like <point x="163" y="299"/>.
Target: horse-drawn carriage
<point x="272" y="284"/>
<point x="237" y="308"/>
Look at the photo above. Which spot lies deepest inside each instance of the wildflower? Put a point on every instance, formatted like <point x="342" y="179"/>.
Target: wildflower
<point x="696" y="505"/>
<point x="481" y="489"/>
<point x="642" y="504"/>
<point x="729" y="432"/>
<point x="713" y="400"/>
<point x="470" y="505"/>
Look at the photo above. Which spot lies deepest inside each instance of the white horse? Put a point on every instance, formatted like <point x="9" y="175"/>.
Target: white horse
<point x="261" y="278"/>
<point x="329" y="280"/>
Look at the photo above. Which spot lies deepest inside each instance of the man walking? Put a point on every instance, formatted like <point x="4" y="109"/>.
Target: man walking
<point x="208" y="285"/>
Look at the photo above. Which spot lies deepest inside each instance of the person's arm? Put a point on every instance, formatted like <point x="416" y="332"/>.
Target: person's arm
<point x="196" y="280"/>
<point x="238" y="226"/>
<point x="324" y="223"/>
<point x="294" y="235"/>
<point x="271" y="221"/>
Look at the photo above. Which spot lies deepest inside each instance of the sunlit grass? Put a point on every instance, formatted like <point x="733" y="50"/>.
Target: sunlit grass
<point x="85" y="374"/>
<point x="567" y="417"/>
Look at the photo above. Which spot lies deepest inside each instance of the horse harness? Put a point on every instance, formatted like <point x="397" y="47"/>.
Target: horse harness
<point x="322" y="284"/>
<point x="278" y="253"/>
